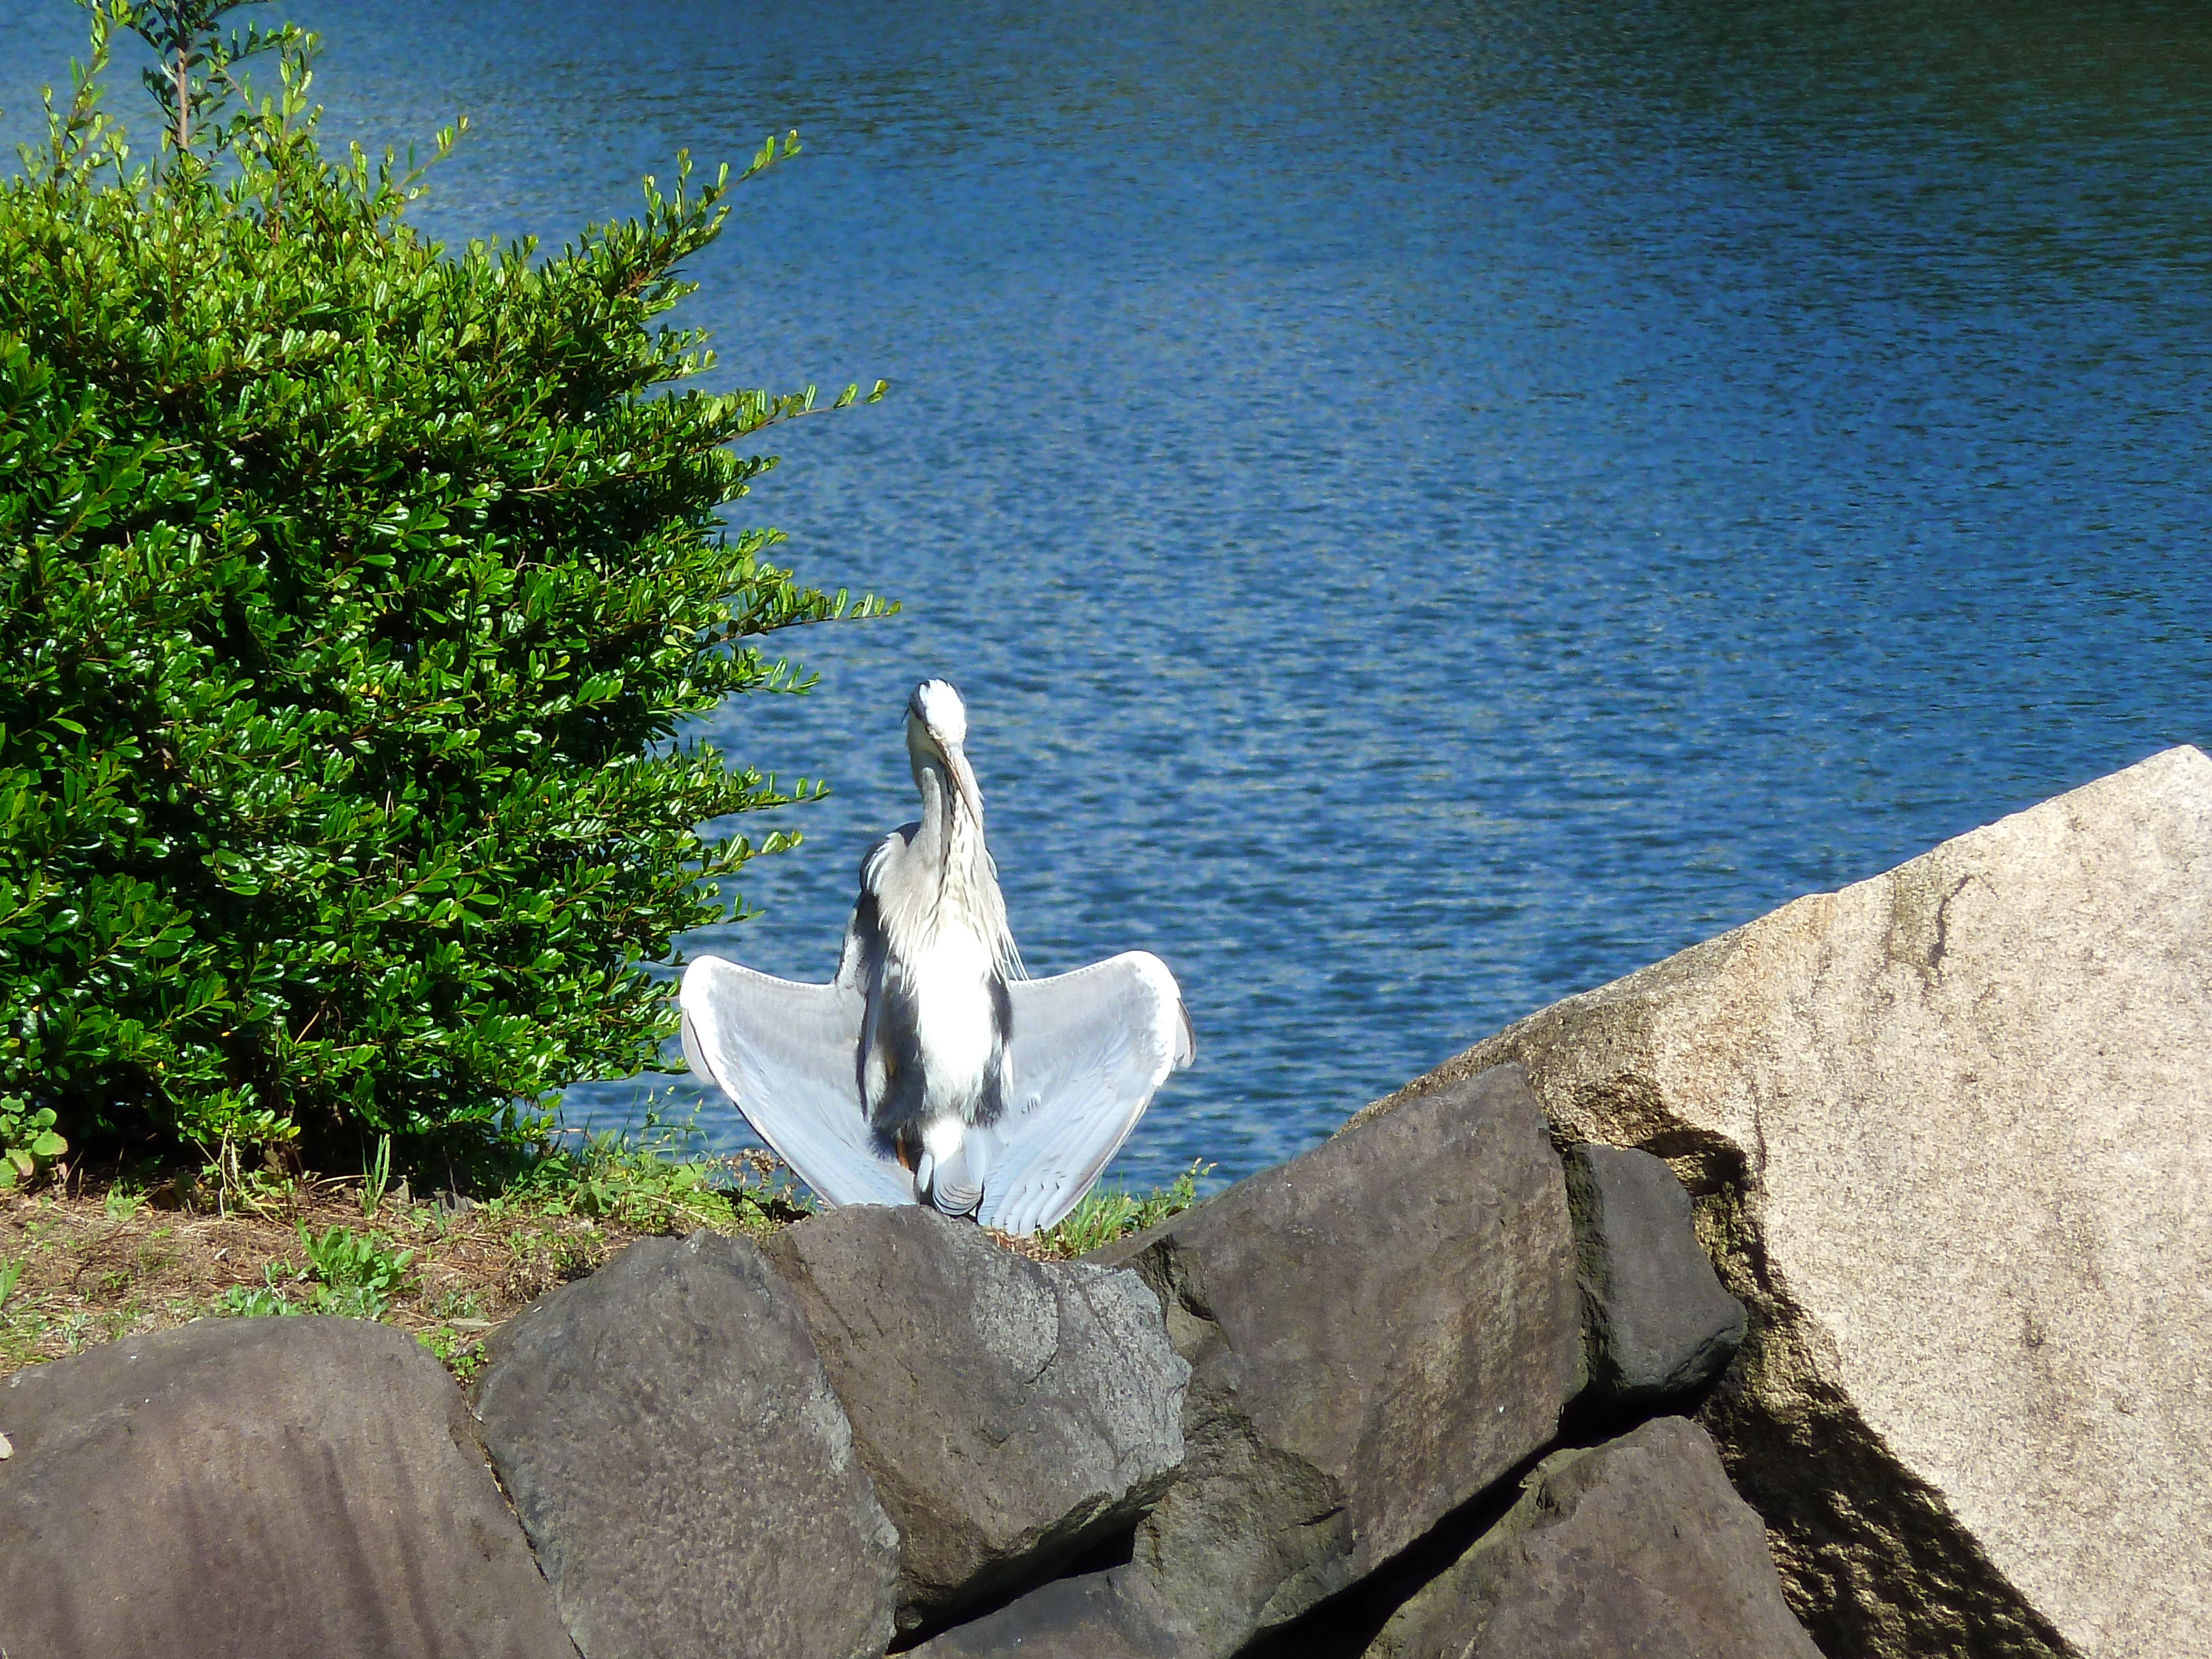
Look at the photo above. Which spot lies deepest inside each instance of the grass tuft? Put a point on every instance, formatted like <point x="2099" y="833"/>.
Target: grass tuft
<point x="1108" y="1214"/>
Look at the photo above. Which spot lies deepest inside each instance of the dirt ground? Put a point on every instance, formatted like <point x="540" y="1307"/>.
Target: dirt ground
<point x="93" y="1269"/>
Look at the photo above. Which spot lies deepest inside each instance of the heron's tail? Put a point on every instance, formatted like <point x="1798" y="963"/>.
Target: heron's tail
<point x="954" y="1183"/>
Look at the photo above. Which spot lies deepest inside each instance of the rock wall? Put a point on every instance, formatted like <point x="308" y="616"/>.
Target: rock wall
<point x="1463" y="1381"/>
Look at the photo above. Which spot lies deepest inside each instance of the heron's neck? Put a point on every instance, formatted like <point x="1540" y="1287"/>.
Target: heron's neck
<point x="951" y="835"/>
<point x="966" y="891"/>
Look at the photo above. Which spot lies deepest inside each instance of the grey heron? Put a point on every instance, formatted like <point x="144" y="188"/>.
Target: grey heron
<point x="931" y="1069"/>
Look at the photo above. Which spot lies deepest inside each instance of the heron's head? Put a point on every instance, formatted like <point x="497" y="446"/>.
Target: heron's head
<point x="936" y="730"/>
<point x="937" y="709"/>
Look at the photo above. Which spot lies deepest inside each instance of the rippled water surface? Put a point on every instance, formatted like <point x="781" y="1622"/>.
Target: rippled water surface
<point x="1433" y="507"/>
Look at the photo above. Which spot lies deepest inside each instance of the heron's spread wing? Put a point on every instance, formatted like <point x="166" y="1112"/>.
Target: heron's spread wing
<point x="1088" y="1050"/>
<point x="784" y="1052"/>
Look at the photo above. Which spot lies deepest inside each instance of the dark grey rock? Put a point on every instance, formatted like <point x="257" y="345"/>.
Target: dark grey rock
<point x="1377" y="1331"/>
<point x="675" y="1452"/>
<point x="1659" y="1322"/>
<point x="1009" y="1412"/>
<point x="1115" y="1614"/>
<point x="294" y="1488"/>
<point x="1637" y="1549"/>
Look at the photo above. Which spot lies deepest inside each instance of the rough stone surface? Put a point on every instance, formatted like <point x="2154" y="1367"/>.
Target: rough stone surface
<point x="1637" y="1549"/>
<point x="1951" y="1132"/>
<point x="1658" y="1321"/>
<point x="296" y="1488"/>
<point x="1377" y="1331"/>
<point x="687" y="1477"/>
<point x="1114" y="1614"/>
<point x="1009" y="1411"/>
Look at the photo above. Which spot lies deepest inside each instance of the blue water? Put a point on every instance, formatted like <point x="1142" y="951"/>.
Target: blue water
<point x="1433" y="507"/>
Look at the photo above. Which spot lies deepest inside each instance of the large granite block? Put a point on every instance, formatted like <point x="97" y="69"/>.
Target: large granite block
<point x="1377" y="1330"/>
<point x="301" y="1488"/>
<point x="1659" y="1323"/>
<point x="1009" y="1412"/>
<point x="1637" y="1549"/>
<point x="684" y="1470"/>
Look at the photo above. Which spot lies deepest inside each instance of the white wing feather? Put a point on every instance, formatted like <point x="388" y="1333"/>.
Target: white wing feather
<point x="1089" y="1049"/>
<point x="785" y="1053"/>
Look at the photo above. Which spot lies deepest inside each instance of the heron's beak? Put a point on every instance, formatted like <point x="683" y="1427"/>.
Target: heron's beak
<point x="965" y="784"/>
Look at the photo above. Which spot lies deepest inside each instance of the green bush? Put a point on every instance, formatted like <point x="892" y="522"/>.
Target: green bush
<point x="357" y="590"/>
